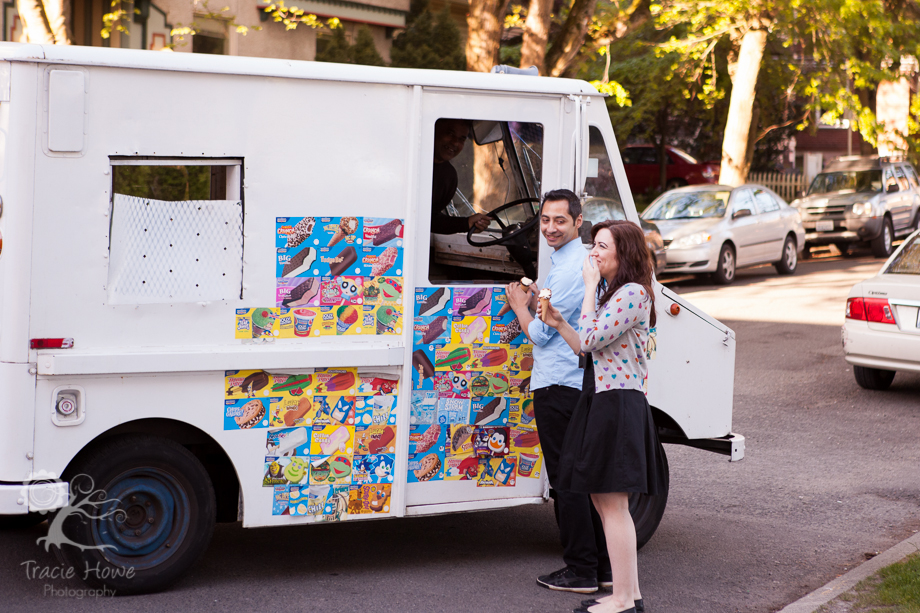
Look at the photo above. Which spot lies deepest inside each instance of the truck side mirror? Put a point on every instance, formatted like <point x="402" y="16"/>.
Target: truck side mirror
<point x="892" y="188"/>
<point x="741" y="213"/>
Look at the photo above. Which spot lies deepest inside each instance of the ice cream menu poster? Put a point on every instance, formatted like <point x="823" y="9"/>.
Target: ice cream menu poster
<point x="335" y="276"/>
<point x="472" y="413"/>
<point x="330" y="438"/>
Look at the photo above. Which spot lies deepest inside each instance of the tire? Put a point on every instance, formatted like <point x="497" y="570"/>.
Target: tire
<point x="789" y="259"/>
<point x="647" y="511"/>
<point x="882" y="245"/>
<point x="873" y="378"/>
<point x="154" y="512"/>
<point x="725" y="268"/>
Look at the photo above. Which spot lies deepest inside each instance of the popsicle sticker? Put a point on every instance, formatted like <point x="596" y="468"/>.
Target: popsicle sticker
<point x="431" y="301"/>
<point x="470" y="301"/>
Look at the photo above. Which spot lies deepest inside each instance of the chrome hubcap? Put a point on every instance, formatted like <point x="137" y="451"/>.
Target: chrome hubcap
<point x="728" y="265"/>
<point x="790" y="255"/>
<point x="887" y="238"/>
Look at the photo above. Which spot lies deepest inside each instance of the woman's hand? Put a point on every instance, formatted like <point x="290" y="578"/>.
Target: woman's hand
<point x="552" y="317"/>
<point x="591" y="274"/>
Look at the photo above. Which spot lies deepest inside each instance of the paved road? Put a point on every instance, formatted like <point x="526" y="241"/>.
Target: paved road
<point x="830" y="474"/>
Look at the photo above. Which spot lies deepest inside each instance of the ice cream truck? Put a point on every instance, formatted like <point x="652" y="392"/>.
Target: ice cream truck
<point x="221" y="298"/>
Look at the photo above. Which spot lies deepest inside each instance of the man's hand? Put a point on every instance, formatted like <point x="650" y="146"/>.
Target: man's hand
<point x="480" y="221"/>
<point x="519" y="297"/>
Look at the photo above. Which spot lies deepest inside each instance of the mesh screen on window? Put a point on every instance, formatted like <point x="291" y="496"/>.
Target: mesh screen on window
<point x="174" y="236"/>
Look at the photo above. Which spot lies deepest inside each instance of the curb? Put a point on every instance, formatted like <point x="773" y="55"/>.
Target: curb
<point x="823" y="595"/>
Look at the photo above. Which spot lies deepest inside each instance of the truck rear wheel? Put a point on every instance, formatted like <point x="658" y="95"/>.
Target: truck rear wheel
<point x="647" y="511"/>
<point x="142" y="512"/>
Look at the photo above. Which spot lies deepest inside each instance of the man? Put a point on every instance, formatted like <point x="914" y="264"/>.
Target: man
<point x="449" y="138"/>
<point x="556" y="383"/>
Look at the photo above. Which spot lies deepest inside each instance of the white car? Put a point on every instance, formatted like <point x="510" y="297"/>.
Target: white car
<point x="881" y="333"/>
<point x="718" y="229"/>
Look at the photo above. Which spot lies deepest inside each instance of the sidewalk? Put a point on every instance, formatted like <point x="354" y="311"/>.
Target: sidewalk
<point x="843" y="583"/>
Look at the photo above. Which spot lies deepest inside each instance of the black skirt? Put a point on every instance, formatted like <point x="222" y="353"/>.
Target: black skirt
<point x="611" y="444"/>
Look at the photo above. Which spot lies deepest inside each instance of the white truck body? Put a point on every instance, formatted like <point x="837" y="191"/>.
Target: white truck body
<point x="298" y="139"/>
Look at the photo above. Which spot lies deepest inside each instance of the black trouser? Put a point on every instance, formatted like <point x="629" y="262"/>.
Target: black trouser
<point x="580" y="528"/>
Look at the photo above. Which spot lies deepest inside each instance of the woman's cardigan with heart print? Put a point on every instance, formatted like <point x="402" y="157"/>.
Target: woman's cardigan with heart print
<point x="616" y="338"/>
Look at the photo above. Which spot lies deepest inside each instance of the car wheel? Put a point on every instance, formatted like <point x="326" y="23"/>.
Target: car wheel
<point x="725" y="268"/>
<point x="142" y="512"/>
<point x="789" y="259"/>
<point x="882" y="245"/>
<point x="647" y="511"/>
<point x="873" y="378"/>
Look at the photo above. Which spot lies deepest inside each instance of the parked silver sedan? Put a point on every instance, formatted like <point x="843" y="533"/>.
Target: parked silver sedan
<point x="718" y="229"/>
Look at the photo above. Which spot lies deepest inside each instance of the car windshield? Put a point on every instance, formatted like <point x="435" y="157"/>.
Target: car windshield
<point x="856" y="180"/>
<point x="907" y="262"/>
<point x="688" y="205"/>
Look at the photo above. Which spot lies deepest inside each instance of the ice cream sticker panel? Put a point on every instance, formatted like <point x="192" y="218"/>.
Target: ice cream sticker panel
<point x="335" y="276"/>
<point x="330" y="438"/>
<point x="472" y="411"/>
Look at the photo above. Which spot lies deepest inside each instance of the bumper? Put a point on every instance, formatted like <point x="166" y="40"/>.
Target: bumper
<point x="696" y="260"/>
<point x="863" y="346"/>
<point x="21" y="498"/>
<point x="845" y="231"/>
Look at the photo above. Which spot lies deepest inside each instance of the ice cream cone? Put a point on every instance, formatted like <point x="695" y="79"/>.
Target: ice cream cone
<point x="341" y="327"/>
<point x="257" y="331"/>
<point x="382" y="328"/>
<point x="505" y="308"/>
<point x="339" y="235"/>
<point x="544" y="307"/>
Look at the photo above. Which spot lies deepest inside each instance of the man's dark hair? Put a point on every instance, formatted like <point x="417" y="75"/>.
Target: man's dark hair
<point x="569" y="196"/>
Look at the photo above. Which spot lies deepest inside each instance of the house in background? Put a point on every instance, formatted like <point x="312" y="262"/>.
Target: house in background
<point x="149" y="24"/>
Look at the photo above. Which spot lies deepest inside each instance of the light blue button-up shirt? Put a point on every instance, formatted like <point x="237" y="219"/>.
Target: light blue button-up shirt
<point x="554" y="361"/>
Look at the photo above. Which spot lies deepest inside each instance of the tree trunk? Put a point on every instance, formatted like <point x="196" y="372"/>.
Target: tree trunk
<point x="46" y="22"/>
<point x="484" y="29"/>
<point x="568" y="42"/>
<point x="738" y="125"/>
<point x="536" y="34"/>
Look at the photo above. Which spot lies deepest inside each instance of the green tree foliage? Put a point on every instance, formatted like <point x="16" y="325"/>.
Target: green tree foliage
<point x="337" y="49"/>
<point x="428" y="42"/>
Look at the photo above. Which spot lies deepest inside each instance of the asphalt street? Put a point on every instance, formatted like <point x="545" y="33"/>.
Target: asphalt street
<point x="830" y="476"/>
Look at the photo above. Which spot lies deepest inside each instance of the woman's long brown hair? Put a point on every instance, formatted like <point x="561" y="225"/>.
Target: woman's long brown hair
<point x="634" y="258"/>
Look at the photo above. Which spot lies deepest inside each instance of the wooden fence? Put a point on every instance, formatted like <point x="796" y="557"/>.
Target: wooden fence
<point x="787" y="185"/>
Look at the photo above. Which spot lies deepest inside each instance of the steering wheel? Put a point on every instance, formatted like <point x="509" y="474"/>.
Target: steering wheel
<point x="508" y="233"/>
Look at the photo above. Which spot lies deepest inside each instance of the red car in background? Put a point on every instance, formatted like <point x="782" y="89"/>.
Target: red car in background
<point x="642" y="168"/>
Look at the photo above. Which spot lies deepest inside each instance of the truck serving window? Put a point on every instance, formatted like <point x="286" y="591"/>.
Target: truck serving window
<point x="483" y="167"/>
<point x="176" y="231"/>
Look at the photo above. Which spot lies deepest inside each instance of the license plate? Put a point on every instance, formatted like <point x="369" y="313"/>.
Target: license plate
<point x="824" y="226"/>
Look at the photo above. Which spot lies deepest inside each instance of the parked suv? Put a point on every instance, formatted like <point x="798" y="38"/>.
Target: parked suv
<point x="867" y="200"/>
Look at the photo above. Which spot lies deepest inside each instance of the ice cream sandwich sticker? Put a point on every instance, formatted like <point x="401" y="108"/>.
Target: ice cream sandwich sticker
<point x="432" y="301"/>
<point x="374" y="468"/>
<point x="332" y="439"/>
<point x="492" y="358"/>
<point x="471" y="301"/>
<point x="247" y="414"/>
<point x="300" y="261"/>
<point x="431" y="330"/>
<point x="369" y="499"/>
<point x="377" y="262"/>
<point x="452" y="384"/>
<point x="370" y="440"/>
<point x="461" y="468"/>
<point x="427" y="466"/>
<point x="489" y="411"/>
<point x="286" y="470"/>
<point x="453" y="411"/>
<point x="453" y="357"/>
<point x="424" y="407"/>
<point x="281" y="499"/>
<point x="469" y="330"/>
<point x="288" y="442"/>
<point x="383" y="232"/>
<point x="297" y="292"/>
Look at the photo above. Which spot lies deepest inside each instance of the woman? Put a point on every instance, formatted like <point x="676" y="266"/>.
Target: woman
<point x="611" y="447"/>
